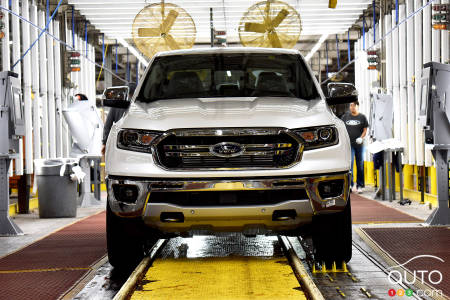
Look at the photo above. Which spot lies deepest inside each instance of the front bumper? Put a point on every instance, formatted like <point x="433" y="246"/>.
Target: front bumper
<point x="285" y="214"/>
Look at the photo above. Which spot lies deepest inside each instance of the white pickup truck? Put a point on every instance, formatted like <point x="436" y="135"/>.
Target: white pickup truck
<point x="228" y="139"/>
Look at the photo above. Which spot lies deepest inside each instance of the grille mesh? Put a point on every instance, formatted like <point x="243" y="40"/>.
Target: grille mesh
<point x="259" y="151"/>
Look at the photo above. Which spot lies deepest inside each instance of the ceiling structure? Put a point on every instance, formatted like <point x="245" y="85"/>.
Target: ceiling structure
<point x="115" y="17"/>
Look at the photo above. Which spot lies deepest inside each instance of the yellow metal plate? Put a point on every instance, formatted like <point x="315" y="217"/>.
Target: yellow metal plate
<point x="220" y="278"/>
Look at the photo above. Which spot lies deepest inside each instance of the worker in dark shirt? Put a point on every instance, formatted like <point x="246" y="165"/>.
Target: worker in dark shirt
<point x="114" y="115"/>
<point x="356" y="124"/>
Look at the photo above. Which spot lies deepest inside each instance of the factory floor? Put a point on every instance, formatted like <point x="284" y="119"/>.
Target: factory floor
<point x="96" y="278"/>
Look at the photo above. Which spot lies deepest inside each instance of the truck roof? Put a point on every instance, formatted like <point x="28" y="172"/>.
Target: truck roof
<point x="228" y="50"/>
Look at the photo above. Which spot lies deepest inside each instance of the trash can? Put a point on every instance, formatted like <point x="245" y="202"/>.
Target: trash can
<point x="57" y="192"/>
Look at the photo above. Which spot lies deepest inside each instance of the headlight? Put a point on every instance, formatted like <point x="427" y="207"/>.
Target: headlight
<point x="318" y="137"/>
<point x="136" y="140"/>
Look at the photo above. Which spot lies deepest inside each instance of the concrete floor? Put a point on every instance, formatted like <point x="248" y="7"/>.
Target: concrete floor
<point x="421" y="211"/>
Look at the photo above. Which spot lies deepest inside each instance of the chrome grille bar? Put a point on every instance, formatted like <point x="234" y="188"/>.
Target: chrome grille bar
<point x="206" y="147"/>
<point x="193" y="149"/>
<point x="208" y="154"/>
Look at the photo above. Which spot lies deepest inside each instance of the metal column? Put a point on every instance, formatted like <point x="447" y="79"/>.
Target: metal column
<point x="445" y="40"/>
<point x="35" y="84"/>
<point x="396" y="80"/>
<point x="441" y="215"/>
<point x="6" y="56"/>
<point x="43" y="87"/>
<point x="418" y="32"/>
<point x="27" y="92"/>
<point x="436" y="41"/>
<point x="58" y="92"/>
<point x="7" y="225"/>
<point x="402" y="67"/>
<point x="51" y="93"/>
<point x="16" y="42"/>
<point x="411" y="119"/>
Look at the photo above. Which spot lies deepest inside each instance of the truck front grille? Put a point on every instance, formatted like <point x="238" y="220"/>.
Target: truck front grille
<point x="260" y="148"/>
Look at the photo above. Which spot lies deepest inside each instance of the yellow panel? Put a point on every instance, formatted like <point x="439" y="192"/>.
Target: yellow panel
<point x="416" y="196"/>
<point x="368" y="168"/>
<point x="432" y="175"/>
<point x="408" y="171"/>
<point x="14" y="208"/>
<point x="220" y="278"/>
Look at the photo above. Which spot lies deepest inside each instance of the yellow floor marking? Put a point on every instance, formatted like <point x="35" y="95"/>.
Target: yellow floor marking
<point x="220" y="278"/>
<point x="42" y="270"/>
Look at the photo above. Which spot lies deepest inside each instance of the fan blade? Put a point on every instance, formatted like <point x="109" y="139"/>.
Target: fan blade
<point x="274" y="40"/>
<point x="171" y="42"/>
<point x="267" y="9"/>
<point x="280" y="17"/>
<point x="255" y="27"/>
<point x="168" y="22"/>
<point x="149" y="32"/>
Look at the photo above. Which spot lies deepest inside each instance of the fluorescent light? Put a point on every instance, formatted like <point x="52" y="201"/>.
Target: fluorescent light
<point x="316" y="47"/>
<point x="133" y="51"/>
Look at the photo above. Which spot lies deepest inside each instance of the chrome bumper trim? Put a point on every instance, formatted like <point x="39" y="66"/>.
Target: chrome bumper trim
<point x="309" y="183"/>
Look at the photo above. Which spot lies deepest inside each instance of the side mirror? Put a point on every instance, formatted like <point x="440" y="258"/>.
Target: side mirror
<point x="341" y="93"/>
<point x="116" y="96"/>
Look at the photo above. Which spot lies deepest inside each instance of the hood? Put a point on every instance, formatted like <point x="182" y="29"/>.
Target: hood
<point x="284" y="112"/>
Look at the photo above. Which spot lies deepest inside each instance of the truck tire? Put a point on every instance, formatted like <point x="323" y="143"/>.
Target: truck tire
<point x="126" y="240"/>
<point x="332" y="237"/>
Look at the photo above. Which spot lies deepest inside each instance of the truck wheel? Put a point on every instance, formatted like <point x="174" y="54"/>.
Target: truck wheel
<point x="125" y="240"/>
<point x="332" y="237"/>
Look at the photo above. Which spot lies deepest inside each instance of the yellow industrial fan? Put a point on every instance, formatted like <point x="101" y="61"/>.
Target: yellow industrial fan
<point x="161" y="27"/>
<point x="270" y="23"/>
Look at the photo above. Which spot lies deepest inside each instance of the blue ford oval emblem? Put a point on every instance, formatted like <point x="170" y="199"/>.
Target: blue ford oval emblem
<point x="226" y="149"/>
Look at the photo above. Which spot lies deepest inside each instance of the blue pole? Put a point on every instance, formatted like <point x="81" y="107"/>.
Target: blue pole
<point x="103" y="48"/>
<point x="86" y="39"/>
<point x="73" y="28"/>
<point x="337" y="50"/>
<point x="396" y="11"/>
<point x="374" y="22"/>
<point x="128" y="67"/>
<point x="326" y="51"/>
<point x="364" y="33"/>
<point x="117" y="46"/>
<point x="137" y="72"/>
<point x="348" y="46"/>
<point x="48" y="10"/>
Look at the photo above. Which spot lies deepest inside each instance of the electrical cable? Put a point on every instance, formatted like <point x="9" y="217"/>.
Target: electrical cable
<point x="384" y="37"/>
<point x="59" y="41"/>
<point x="39" y="36"/>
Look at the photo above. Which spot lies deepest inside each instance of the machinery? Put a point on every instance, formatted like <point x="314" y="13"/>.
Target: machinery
<point x="435" y="116"/>
<point x="271" y="24"/>
<point x="381" y="115"/>
<point x="86" y="128"/>
<point x="162" y="27"/>
<point x="12" y="127"/>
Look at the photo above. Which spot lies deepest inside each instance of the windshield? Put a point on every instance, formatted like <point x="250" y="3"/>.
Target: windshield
<point x="228" y="75"/>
